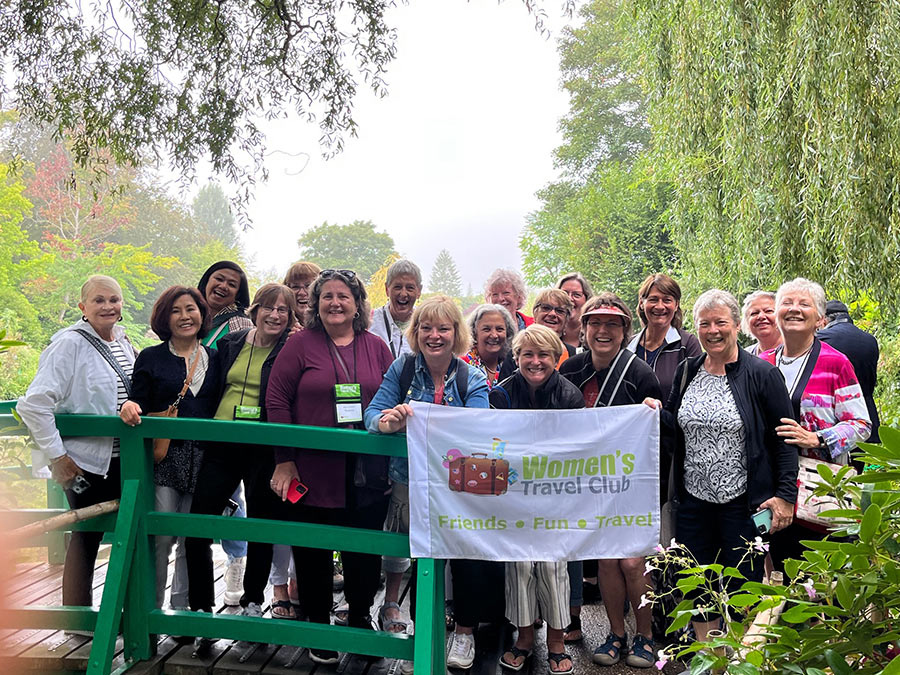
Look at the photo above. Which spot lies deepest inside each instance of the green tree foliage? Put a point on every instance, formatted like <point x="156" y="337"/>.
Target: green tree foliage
<point x="606" y="217"/>
<point x="188" y="79"/>
<point x="777" y="124"/>
<point x="445" y="276"/>
<point x="356" y="246"/>
<point x="213" y="213"/>
<point x="607" y="118"/>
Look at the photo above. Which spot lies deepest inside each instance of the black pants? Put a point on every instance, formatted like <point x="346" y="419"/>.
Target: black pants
<point x="478" y="591"/>
<point x="78" y="574"/>
<point x="362" y="571"/>
<point x="786" y="543"/>
<point x="719" y="533"/>
<point x="224" y="467"/>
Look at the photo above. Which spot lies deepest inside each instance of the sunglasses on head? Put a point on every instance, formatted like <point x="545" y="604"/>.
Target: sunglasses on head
<point x="347" y="274"/>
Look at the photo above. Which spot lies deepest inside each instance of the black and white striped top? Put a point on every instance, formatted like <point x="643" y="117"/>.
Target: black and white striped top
<point x="121" y="394"/>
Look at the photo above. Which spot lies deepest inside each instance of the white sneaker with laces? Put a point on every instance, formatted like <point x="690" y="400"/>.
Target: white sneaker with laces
<point x="461" y="651"/>
<point x="252" y="609"/>
<point x="234" y="581"/>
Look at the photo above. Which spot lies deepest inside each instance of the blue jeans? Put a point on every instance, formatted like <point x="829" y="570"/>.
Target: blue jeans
<point x="236" y="549"/>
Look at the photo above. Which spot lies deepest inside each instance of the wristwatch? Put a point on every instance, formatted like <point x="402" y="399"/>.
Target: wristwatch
<point x="822" y="444"/>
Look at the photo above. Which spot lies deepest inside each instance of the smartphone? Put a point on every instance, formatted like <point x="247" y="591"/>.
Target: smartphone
<point x="231" y="509"/>
<point x="763" y="520"/>
<point x="296" y="491"/>
<point x="79" y="485"/>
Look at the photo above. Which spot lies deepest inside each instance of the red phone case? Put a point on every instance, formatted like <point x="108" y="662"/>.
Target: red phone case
<point x="296" y="491"/>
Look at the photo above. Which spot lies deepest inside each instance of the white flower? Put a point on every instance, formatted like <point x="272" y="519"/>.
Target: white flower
<point x="644" y="601"/>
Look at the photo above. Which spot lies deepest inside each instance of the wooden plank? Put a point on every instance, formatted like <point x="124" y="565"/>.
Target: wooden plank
<point x="22" y="640"/>
<point x="51" y="653"/>
<point x="289" y="660"/>
<point x="78" y="659"/>
<point x="182" y="662"/>
<point x="243" y="659"/>
<point x="154" y="666"/>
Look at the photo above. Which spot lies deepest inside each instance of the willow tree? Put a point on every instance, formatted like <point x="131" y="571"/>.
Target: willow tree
<point x="778" y="125"/>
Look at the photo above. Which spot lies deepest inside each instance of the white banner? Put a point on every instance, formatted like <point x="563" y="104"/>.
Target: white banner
<point x="533" y="484"/>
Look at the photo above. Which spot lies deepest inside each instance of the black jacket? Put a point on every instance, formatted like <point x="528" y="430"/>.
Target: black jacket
<point x="229" y="348"/>
<point x="159" y="375"/>
<point x="862" y="351"/>
<point x="639" y="382"/>
<point x="762" y="400"/>
<point x="557" y="393"/>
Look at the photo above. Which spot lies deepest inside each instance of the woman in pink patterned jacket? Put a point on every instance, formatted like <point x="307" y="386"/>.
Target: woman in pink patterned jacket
<point x="830" y="415"/>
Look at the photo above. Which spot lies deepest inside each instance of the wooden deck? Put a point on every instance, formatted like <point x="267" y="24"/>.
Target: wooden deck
<point x="48" y="651"/>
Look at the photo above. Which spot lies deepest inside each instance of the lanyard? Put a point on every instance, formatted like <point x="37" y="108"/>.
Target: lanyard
<point x="333" y="351"/>
<point x="779" y="359"/>
<point x="390" y="333"/>
<point x="247" y="372"/>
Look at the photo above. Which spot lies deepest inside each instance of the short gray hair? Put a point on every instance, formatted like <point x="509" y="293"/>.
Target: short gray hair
<point x="487" y="308"/>
<point x="717" y="298"/>
<point x="403" y="267"/>
<point x="506" y="276"/>
<point x="814" y="290"/>
<point x="96" y="280"/>
<point x="749" y="300"/>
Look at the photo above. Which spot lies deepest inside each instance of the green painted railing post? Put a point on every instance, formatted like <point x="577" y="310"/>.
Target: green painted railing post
<point x="120" y="559"/>
<point x="56" y="546"/>
<point x="140" y="594"/>
<point x="430" y="656"/>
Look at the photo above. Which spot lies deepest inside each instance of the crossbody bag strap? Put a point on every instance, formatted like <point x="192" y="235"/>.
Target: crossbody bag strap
<point x="188" y="379"/>
<point x="108" y="356"/>
<point x="389" y="331"/>
<point x="620" y="380"/>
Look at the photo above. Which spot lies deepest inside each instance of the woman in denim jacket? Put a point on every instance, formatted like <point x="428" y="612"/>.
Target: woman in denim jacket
<point x="437" y="335"/>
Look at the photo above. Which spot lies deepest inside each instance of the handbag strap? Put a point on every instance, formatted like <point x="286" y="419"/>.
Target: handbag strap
<point x="187" y="380"/>
<point x="108" y="356"/>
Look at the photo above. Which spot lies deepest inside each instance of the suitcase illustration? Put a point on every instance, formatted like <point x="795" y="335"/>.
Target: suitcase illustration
<point x="479" y="475"/>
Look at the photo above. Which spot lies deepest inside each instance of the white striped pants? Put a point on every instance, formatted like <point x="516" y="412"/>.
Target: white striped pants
<point x="537" y="590"/>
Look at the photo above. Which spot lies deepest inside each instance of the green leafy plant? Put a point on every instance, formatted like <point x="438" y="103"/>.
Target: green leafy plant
<point x="6" y="344"/>
<point x="839" y="612"/>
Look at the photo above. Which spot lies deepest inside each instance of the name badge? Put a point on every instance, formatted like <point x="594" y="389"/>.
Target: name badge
<point x="347" y="403"/>
<point x="248" y="412"/>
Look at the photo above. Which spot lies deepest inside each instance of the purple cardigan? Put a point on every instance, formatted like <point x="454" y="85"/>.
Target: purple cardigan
<point x="301" y="391"/>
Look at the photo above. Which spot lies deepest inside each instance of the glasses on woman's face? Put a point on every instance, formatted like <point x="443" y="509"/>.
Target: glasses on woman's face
<point x="559" y="311"/>
<point x="281" y="311"/>
<point x="348" y="274"/>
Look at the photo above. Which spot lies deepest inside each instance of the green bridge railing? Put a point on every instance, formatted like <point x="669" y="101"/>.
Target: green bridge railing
<point x="129" y="594"/>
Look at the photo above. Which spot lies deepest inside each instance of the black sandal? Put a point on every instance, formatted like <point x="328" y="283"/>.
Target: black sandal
<point x="557" y="658"/>
<point x="574" y="625"/>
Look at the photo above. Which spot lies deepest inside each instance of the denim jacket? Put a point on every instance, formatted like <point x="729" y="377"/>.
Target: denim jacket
<point x="422" y="389"/>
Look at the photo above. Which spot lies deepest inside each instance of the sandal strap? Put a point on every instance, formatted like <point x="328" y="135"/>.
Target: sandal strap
<point x="611" y="641"/>
<point x="559" y="657"/>
<point x="642" y="647"/>
<point x="518" y="651"/>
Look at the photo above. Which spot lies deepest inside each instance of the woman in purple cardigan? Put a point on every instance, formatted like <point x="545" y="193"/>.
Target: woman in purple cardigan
<point x="344" y="489"/>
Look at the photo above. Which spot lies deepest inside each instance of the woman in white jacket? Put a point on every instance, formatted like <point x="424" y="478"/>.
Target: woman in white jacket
<point x="86" y="369"/>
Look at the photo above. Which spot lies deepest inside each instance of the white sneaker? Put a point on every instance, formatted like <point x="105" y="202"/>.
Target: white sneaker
<point x="406" y="668"/>
<point x="461" y="651"/>
<point x="234" y="581"/>
<point x="252" y="609"/>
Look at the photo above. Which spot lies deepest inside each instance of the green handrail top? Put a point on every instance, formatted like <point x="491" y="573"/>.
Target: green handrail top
<point x="7" y="406"/>
<point x="253" y="433"/>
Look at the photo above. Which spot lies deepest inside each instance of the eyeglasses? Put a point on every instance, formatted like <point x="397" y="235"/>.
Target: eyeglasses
<point x="282" y="311"/>
<point x="559" y="311"/>
<point x="348" y="274"/>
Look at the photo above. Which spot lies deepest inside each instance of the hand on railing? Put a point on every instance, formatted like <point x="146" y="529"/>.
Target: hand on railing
<point x="394" y="419"/>
<point x="285" y="473"/>
<point x="131" y="413"/>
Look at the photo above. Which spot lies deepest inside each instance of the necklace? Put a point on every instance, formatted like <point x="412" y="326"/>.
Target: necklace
<point x="786" y="361"/>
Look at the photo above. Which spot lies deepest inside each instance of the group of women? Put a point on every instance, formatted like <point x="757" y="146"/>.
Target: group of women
<point x="733" y="421"/>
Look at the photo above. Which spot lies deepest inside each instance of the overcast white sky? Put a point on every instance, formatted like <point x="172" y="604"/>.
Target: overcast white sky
<point x="451" y="158"/>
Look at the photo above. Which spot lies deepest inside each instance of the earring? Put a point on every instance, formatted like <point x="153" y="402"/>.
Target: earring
<point x="356" y="316"/>
<point x="84" y="318"/>
<point x="120" y="318"/>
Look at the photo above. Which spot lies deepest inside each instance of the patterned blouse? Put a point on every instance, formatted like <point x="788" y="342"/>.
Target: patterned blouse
<point x="471" y="357"/>
<point x="715" y="461"/>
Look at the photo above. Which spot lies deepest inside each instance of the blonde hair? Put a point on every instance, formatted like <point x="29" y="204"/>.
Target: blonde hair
<point x="554" y="296"/>
<point x="745" y="310"/>
<point x="439" y="308"/>
<point x="503" y="277"/>
<point x="540" y="337"/>
<point x="99" y="280"/>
